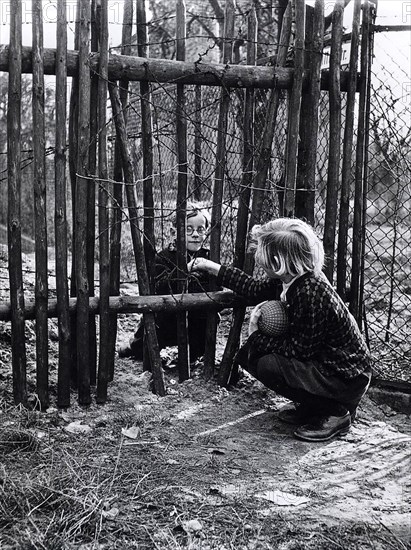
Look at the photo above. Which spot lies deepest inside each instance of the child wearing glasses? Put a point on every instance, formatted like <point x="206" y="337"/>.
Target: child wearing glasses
<point x="166" y="282"/>
<point x="322" y="363"/>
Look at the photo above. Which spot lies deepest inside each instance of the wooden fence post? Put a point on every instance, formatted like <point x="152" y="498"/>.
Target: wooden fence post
<point x="359" y="207"/>
<point x="182" y="185"/>
<point x="60" y="217"/>
<point x="218" y="189"/>
<point x="40" y="208"/>
<point x="91" y="195"/>
<point x="347" y="171"/>
<point x="73" y="153"/>
<point x="143" y="283"/>
<point x="264" y="148"/>
<point x="118" y="191"/>
<point x="294" y="112"/>
<point x="103" y="374"/>
<point x="198" y="140"/>
<point x="334" y="153"/>
<point x="18" y="339"/>
<point x="307" y="151"/>
<point x="82" y="183"/>
<point x="243" y="204"/>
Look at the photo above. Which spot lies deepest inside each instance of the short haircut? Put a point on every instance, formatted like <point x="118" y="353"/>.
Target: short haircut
<point x="194" y="208"/>
<point x="288" y="246"/>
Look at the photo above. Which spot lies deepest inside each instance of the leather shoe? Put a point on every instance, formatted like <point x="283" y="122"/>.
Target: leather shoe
<point x="295" y="414"/>
<point x="324" y="428"/>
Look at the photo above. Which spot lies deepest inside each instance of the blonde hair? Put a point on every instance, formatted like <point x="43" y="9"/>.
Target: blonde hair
<point x="288" y="246"/>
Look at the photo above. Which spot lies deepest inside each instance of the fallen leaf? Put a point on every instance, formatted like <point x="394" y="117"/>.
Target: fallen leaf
<point x="132" y="433"/>
<point x="77" y="428"/>
<point x="110" y="514"/>
<point x="192" y="526"/>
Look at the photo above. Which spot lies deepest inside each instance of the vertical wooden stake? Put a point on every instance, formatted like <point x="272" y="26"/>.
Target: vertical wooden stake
<point x="118" y="192"/>
<point x="347" y="155"/>
<point x="294" y="112"/>
<point x="181" y="215"/>
<point x="103" y="219"/>
<point x="243" y="204"/>
<point x="18" y="339"/>
<point x="334" y="154"/>
<point x="82" y="184"/>
<point x="40" y="220"/>
<point x="60" y="216"/>
<point x="215" y="237"/>
<point x="358" y="235"/>
<point x="307" y="150"/>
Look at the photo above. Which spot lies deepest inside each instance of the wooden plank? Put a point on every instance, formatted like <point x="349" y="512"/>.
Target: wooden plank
<point x="82" y="313"/>
<point x="294" y="111"/>
<point x="136" y="68"/>
<point x="143" y="282"/>
<point x="218" y="187"/>
<point x="142" y="304"/>
<point x="40" y="208"/>
<point x="103" y="375"/>
<point x="347" y="156"/>
<point x="334" y="151"/>
<point x="18" y="341"/>
<point x="307" y="151"/>
<point x="60" y="216"/>
<point x="182" y="188"/>
<point x="118" y="191"/>
<point x="243" y="204"/>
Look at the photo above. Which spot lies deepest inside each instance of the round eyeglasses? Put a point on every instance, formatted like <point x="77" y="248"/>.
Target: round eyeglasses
<point x="200" y="230"/>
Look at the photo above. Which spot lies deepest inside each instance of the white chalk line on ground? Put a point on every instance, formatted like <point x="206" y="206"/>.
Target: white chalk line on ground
<point x="232" y="422"/>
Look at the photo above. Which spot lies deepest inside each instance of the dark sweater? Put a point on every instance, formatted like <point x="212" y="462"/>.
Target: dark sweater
<point x="321" y="328"/>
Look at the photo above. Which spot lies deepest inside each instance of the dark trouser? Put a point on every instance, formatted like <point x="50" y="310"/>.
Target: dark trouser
<point x="167" y="335"/>
<point x="304" y="383"/>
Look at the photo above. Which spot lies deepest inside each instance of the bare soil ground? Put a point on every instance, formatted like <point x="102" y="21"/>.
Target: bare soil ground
<point x="201" y="468"/>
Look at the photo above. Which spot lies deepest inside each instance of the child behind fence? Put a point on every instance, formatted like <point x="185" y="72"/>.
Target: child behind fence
<point x="166" y="282"/>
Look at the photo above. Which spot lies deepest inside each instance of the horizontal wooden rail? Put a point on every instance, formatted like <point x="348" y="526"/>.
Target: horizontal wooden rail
<point x="143" y="304"/>
<point x="165" y="70"/>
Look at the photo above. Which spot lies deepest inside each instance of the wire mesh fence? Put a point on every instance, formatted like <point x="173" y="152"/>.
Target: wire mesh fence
<point x="386" y="271"/>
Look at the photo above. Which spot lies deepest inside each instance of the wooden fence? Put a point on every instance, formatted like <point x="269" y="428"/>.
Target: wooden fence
<point x="81" y="156"/>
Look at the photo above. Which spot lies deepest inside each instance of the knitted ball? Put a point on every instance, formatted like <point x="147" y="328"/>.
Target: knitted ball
<point x="274" y="318"/>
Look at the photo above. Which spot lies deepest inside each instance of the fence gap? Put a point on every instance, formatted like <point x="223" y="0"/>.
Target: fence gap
<point x="307" y="150"/>
<point x="218" y="188"/>
<point x="243" y="204"/>
<point x="40" y="208"/>
<point x="346" y="177"/>
<point x="103" y="375"/>
<point x="334" y="151"/>
<point x="294" y="111"/>
<point x="18" y="339"/>
<point x="182" y="187"/>
<point x="60" y="217"/>
<point x="143" y="283"/>
<point x="82" y="183"/>
<point x="118" y="191"/>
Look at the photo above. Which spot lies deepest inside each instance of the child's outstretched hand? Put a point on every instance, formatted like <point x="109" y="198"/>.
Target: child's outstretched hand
<point x="202" y="264"/>
<point x="254" y="317"/>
